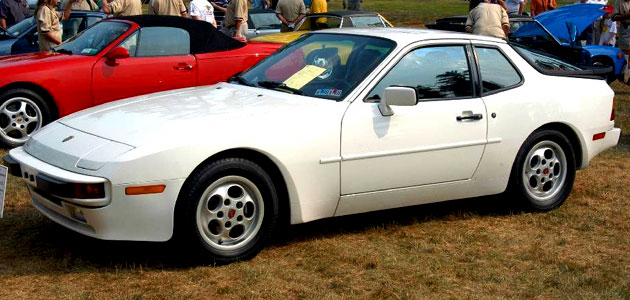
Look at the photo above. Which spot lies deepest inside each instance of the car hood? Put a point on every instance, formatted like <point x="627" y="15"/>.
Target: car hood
<point x="5" y="46"/>
<point x="35" y="58"/>
<point x="582" y="15"/>
<point x="186" y="114"/>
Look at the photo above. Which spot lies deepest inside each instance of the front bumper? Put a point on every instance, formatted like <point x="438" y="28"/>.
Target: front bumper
<point x="116" y="216"/>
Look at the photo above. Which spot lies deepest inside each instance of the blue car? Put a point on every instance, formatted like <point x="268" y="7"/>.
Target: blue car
<point x="570" y="24"/>
<point x="558" y="33"/>
<point x="22" y="37"/>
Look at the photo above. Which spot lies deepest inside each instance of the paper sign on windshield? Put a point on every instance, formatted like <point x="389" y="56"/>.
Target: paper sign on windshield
<point x="304" y="76"/>
<point x="4" y="171"/>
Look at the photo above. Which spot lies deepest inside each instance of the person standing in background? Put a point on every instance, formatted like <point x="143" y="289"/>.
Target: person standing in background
<point x="48" y="28"/>
<point x="121" y="8"/>
<point x="516" y="6"/>
<point x="353" y="4"/>
<point x="235" y="23"/>
<point x="202" y="10"/>
<point x="538" y="7"/>
<point x="13" y="11"/>
<point x="319" y="6"/>
<point x="290" y="12"/>
<point x="621" y="14"/>
<point x="168" y="8"/>
<point x="488" y="19"/>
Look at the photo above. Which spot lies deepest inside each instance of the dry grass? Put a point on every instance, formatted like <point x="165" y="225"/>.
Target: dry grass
<point x="474" y="248"/>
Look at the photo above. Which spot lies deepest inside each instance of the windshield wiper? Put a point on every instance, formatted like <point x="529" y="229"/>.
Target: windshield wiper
<point x="279" y="86"/>
<point x="62" y="51"/>
<point x="240" y="80"/>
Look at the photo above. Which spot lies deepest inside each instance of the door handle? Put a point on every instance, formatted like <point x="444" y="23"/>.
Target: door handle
<point x="468" y="115"/>
<point x="183" y="66"/>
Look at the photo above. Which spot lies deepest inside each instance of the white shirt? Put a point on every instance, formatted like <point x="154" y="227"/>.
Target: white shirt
<point x="609" y="31"/>
<point x="513" y="5"/>
<point x="202" y="9"/>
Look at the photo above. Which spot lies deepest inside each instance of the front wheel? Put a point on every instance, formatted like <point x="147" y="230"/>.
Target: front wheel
<point x="22" y="112"/>
<point x="231" y="210"/>
<point x="544" y="170"/>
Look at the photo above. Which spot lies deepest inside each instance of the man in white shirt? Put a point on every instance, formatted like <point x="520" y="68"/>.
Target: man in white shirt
<point x="202" y="10"/>
<point x="516" y="6"/>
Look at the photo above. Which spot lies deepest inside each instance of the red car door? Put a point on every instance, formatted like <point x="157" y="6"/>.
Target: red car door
<point x="159" y="60"/>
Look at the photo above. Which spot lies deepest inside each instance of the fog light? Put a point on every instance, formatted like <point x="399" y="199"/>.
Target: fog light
<point x="89" y="190"/>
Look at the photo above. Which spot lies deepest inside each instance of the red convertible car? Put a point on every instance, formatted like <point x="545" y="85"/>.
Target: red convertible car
<point x="115" y="59"/>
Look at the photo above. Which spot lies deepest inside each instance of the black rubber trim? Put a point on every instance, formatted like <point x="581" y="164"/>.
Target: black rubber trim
<point x="14" y="167"/>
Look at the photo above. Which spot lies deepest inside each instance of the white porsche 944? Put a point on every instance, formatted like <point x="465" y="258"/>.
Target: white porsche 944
<point x="338" y="122"/>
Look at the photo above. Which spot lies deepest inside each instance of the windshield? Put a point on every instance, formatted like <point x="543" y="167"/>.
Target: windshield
<point x="367" y="21"/>
<point x="315" y="23"/>
<point x="94" y="39"/>
<point x="19" y="28"/>
<point x="529" y="32"/>
<point x="265" y="21"/>
<point x="327" y="66"/>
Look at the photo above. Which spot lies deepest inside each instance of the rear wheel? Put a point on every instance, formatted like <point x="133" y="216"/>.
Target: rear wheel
<point x="22" y="112"/>
<point x="544" y="170"/>
<point x="231" y="210"/>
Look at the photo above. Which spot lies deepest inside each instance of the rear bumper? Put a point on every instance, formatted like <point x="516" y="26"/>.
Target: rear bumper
<point x="611" y="139"/>
<point x="117" y="216"/>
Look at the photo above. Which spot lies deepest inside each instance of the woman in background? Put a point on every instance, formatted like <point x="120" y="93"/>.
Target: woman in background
<point x="48" y="29"/>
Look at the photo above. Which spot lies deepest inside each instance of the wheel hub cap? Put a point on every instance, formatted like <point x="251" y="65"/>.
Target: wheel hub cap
<point x="544" y="171"/>
<point x="230" y="213"/>
<point x="19" y="118"/>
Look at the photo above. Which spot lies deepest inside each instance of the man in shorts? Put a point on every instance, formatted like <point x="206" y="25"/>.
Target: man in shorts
<point x="621" y="14"/>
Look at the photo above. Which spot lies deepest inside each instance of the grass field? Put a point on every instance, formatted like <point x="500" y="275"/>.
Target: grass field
<point x="473" y="248"/>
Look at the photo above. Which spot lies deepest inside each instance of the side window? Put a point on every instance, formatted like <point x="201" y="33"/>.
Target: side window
<point x="163" y="41"/>
<point x="72" y="26"/>
<point x="439" y="72"/>
<point x="93" y="20"/>
<point x="496" y="71"/>
<point x="131" y="44"/>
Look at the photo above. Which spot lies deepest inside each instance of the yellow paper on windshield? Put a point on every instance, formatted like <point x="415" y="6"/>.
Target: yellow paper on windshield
<point x="304" y="76"/>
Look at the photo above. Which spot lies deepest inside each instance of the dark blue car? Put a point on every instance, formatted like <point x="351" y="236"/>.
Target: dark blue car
<point x="22" y="37"/>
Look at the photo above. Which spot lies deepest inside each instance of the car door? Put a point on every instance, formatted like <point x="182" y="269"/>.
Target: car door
<point x="159" y="60"/>
<point x="441" y="139"/>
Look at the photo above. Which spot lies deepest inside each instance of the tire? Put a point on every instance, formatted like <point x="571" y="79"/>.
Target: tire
<point x="230" y="211"/>
<point x="605" y="61"/>
<point x="544" y="171"/>
<point x="22" y="112"/>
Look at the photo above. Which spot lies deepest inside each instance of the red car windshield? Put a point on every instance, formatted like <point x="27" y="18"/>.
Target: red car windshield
<point x="94" y="39"/>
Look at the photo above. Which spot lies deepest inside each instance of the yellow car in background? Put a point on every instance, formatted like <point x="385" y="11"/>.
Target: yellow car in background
<point x="335" y="19"/>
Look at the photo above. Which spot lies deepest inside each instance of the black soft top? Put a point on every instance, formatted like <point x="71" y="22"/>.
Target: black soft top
<point x="204" y="37"/>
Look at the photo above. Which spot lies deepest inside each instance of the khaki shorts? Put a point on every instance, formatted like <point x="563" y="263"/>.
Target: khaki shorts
<point x="230" y="30"/>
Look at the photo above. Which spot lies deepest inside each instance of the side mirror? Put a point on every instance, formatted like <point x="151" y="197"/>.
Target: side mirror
<point x="572" y="32"/>
<point x="114" y="54"/>
<point x="399" y="96"/>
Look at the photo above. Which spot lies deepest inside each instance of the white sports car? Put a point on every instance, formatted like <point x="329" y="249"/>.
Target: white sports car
<point x="338" y="122"/>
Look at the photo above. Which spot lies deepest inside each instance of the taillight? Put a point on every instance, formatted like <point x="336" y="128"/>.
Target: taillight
<point x="612" y="113"/>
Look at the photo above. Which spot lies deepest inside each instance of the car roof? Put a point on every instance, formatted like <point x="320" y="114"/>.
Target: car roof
<point x="404" y="36"/>
<point x="346" y="13"/>
<point x="204" y="37"/>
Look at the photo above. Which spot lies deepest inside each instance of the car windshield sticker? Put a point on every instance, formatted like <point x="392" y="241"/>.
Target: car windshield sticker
<point x="89" y="51"/>
<point x="304" y="76"/>
<point x="328" y="92"/>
